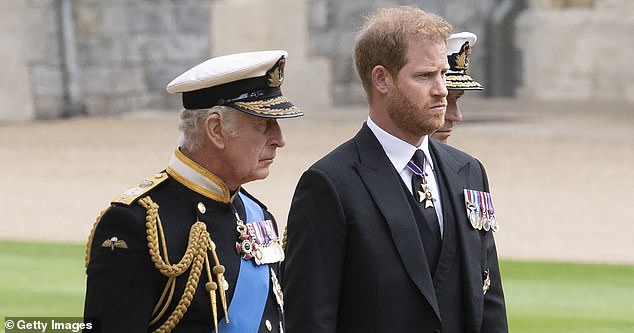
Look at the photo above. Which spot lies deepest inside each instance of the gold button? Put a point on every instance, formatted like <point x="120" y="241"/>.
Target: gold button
<point x="201" y="208"/>
<point x="268" y="325"/>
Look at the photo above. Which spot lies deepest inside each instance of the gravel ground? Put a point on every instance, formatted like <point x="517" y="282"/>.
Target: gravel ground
<point x="560" y="173"/>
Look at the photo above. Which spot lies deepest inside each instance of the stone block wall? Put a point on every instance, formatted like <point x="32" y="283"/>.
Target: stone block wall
<point x="578" y="49"/>
<point x="126" y="53"/>
<point x="240" y="26"/>
<point x="30" y="66"/>
<point x="332" y="26"/>
<point x="128" y="50"/>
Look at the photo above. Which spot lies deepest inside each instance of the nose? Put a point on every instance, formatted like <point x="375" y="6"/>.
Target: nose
<point x="276" y="137"/>
<point x="453" y="111"/>
<point x="440" y="87"/>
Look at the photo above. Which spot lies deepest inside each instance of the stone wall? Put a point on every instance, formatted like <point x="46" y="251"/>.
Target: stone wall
<point x="578" y="50"/>
<point x="252" y="25"/>
<point x="332" y="26"/>
<point x="129" y="50"/>
<point x="126" y="53"/>
<point x="30" y="73"/>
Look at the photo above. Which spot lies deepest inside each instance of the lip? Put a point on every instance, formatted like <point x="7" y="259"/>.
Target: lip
<point x="439" y="107"/>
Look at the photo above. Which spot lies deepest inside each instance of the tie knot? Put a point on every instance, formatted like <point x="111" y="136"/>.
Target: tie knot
<point x="419" y="157"/>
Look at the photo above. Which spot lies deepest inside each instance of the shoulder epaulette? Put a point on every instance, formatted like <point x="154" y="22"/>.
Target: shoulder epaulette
<point x="132" y="194"/>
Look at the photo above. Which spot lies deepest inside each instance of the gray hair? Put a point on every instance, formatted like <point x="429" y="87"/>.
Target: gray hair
<point x="192" y="124"/>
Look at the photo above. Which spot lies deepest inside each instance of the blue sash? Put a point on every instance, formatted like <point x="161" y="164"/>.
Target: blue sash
<point x="252" y="288"/>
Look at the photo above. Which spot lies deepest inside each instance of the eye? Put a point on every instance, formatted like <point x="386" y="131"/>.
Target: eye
<point x="267" y="125"/>
<point x="261" y="125"/>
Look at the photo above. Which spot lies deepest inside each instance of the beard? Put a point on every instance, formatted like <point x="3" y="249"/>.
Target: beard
<point x="411" y="117"/>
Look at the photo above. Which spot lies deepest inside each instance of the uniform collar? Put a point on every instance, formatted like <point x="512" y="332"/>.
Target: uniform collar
<point x="198" y="179"/>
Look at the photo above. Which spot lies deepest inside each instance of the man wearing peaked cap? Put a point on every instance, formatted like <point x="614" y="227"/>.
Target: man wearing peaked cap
<point x="188" y="249"/>
<point x="459" y="48"/>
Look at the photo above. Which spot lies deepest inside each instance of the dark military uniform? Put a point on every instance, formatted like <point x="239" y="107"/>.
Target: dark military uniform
<point x="179" y="252"/>
<point x="124" y="283"/>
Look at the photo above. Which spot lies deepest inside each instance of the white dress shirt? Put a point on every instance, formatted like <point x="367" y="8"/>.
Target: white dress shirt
<point x="400" y="153"/>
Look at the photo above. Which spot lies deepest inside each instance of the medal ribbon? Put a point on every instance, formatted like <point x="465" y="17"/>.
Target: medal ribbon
<point x="469" y="196"/>
<point x="474" y="198"/>
<point x="258" y="232"/>
<point x="483" y="211"/>
<point x="491" y="210"/>
<point x="421" y="173"/>
<point x="270" y="230"/>
<point x="252" y="288"/>
<point x="263" y="232"/>
<point x="416" y="169"/>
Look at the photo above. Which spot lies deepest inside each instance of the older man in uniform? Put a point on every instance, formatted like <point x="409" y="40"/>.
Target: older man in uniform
<point x="188" y="249"/>
<point x="459" y="48"/>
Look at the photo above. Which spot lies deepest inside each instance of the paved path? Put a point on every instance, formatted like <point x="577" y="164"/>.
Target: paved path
<point x="561" y="173"/>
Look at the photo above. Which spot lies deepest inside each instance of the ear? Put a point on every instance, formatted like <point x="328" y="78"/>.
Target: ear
<point x="381" y="79"/>
<point x="214" y="130"/>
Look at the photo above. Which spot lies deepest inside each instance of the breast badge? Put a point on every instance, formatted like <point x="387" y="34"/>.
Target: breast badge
<point x="113" y="243"/>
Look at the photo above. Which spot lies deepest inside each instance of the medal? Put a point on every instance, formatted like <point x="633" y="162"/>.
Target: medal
<point x="486" y="224"/>
<point x="258" y="240"/>
<point x="244" y="247"/>
<point x="494" y="224"/>
<point x="277" y="290"/>
<point x="426" y="194"/>
<point x="486" y="283"/>
<point x="480" y="211"/>
<point x="471" y="213"/>
<point x="270" y="254"/>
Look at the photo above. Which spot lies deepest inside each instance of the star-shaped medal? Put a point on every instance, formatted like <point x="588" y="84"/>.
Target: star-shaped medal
<point x="426" y="195"/>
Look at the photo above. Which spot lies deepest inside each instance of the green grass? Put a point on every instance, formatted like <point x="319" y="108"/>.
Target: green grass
<point x="41" y="279"/>
<point x="48" y="280"/>
<point x="564" y="297"/>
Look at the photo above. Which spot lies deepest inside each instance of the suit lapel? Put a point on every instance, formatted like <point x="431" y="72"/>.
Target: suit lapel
<point x="456" y="175"/>
<point x="449" y="243"/>
<point x="383" y="183"/>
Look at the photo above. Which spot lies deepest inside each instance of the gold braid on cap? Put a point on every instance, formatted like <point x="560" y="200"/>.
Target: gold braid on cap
<point x="264" y="106"/>
<point x="198" y="247"/>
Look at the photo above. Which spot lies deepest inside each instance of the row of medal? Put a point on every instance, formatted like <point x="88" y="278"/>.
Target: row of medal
<point x="480" y="210"/>
<point x="259" y="240"/>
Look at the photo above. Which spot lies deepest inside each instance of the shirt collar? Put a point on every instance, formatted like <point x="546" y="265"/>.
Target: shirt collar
<point x="398" y="151"/>
<point x="197" y="178"/>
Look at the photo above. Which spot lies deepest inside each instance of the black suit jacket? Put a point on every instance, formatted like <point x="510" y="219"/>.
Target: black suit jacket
<point x="355" y="260"/>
